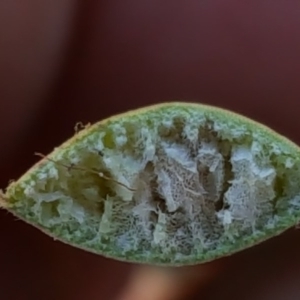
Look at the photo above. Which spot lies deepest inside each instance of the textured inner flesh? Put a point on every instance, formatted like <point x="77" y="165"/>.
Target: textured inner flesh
<point x="193" y="187"/>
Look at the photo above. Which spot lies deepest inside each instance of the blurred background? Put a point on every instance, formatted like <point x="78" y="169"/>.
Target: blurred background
<point x="65" y="61"/>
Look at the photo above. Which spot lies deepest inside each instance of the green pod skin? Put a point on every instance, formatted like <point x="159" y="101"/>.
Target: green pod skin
<point x="171" y="184"/>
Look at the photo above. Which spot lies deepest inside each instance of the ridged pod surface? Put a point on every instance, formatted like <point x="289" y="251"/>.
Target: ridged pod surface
<point x="171" y="184"/>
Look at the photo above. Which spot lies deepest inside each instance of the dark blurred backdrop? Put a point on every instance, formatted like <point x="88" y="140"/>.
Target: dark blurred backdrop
<point x="67" y="61"/>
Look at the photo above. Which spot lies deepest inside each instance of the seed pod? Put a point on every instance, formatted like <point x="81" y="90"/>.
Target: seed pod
<point x="171" y="184"/>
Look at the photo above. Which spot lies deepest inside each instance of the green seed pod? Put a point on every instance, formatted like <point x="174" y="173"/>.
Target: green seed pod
<point x="171" y="184"/>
